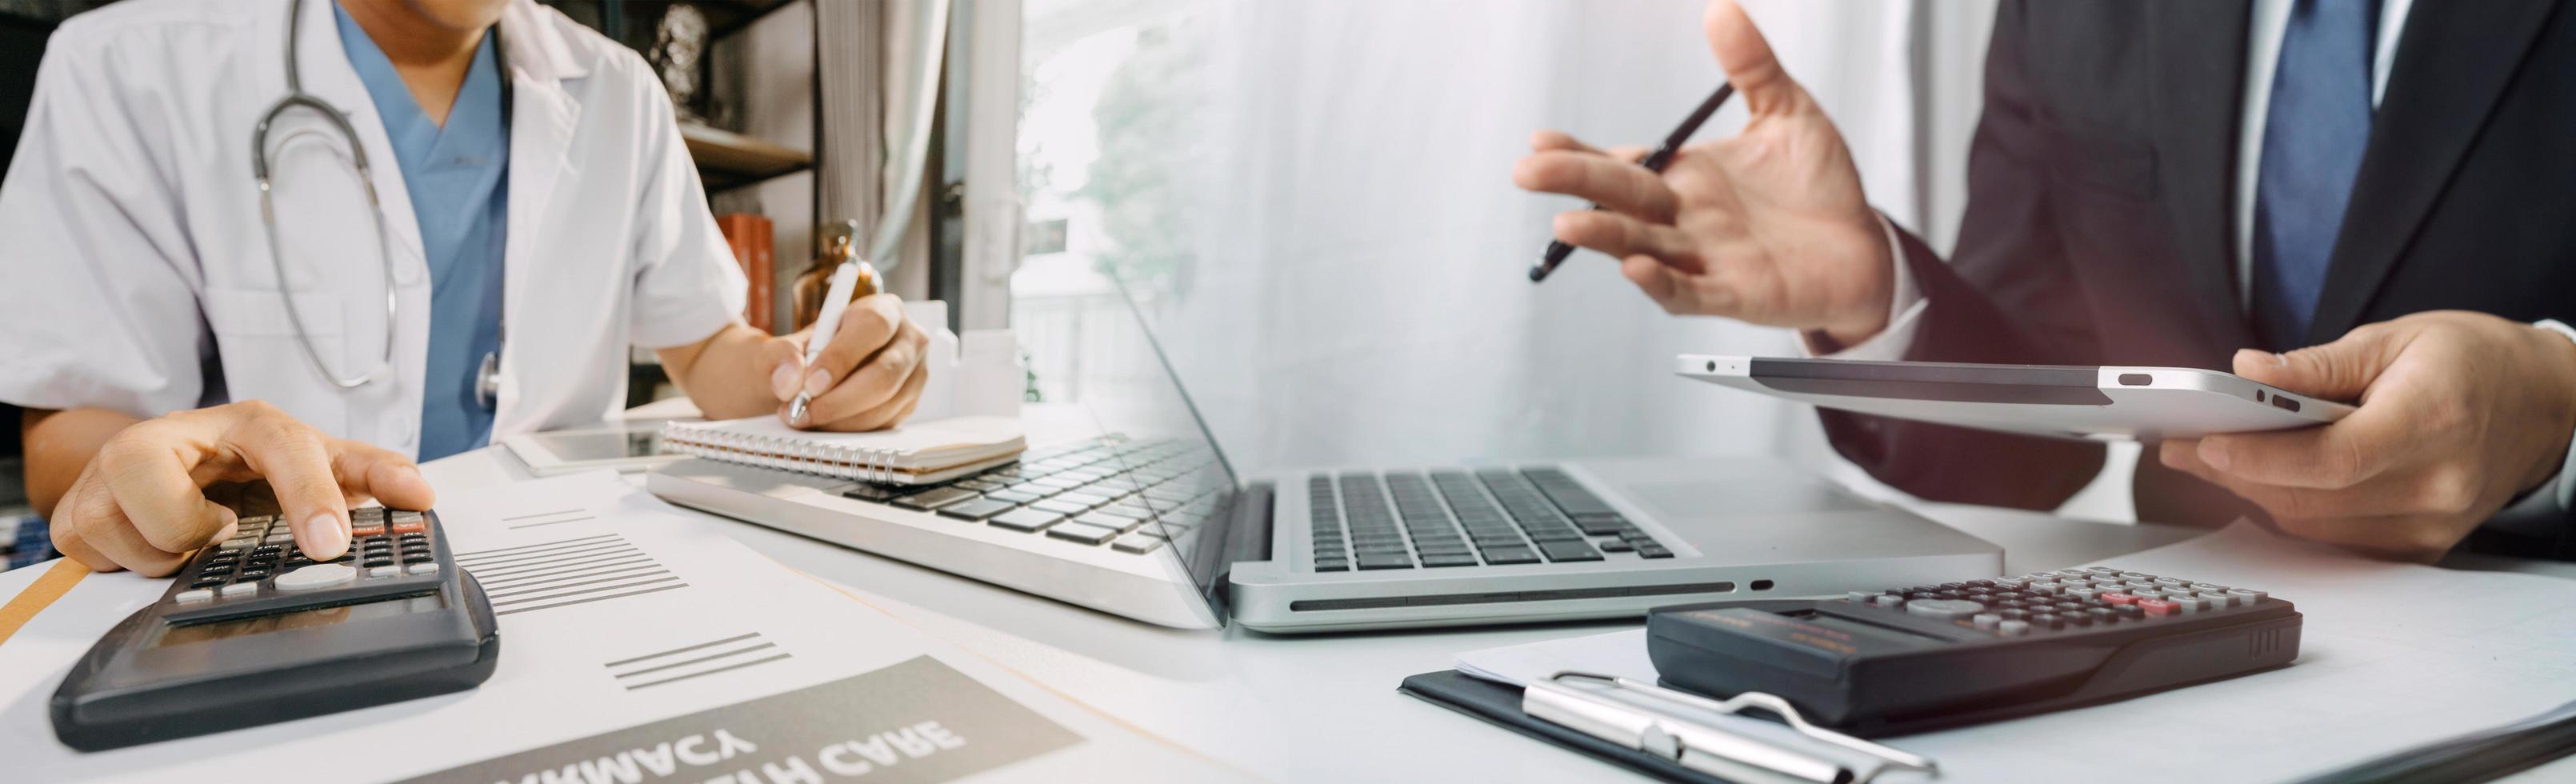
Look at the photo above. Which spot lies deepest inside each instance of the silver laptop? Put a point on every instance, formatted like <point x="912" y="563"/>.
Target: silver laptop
<point x="1149" y="521"/>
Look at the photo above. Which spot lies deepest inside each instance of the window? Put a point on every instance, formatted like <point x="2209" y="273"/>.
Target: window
<point x="1110" y="135"/>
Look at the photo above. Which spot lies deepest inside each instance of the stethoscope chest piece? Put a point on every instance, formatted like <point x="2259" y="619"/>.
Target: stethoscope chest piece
<point x="487" y="382"/>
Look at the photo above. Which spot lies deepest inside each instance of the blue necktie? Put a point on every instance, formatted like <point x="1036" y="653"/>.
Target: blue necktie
<point x="2313" y="137"/>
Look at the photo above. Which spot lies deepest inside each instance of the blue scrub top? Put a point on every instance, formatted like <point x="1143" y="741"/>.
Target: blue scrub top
<point x="458" y="177"/>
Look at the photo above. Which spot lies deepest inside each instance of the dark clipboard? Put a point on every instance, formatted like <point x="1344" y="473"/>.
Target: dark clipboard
<point x="2483" y="756"/>
<point x="1500" y="705"/>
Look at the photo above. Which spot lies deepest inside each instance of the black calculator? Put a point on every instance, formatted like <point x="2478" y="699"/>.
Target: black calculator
<point x="1877" y="663"/>
<point x="252" y="632"/>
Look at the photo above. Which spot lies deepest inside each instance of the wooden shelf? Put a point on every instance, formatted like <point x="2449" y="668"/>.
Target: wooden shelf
<point x="724" y="19"/>
<point x="729" y="160"/>
<point x="632" y="22"/>
<point x="726" y="160"/>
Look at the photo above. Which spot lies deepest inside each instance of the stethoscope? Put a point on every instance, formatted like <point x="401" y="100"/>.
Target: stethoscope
<point x="487" y="378"/>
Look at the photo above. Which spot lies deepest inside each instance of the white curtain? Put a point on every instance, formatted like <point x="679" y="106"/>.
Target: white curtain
<point x="1358" y="295"/>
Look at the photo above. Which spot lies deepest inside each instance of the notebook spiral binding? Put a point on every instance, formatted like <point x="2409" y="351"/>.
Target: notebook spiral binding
<point x="858" y="464"/>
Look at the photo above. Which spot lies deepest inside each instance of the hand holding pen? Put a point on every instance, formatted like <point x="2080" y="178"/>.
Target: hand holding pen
<point x="1655" y="161"/>
<point x="1769" y="226"/>
<point x="859" y="366"/>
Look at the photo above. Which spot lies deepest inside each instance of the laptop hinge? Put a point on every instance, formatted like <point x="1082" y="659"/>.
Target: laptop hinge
<point x="1247" y="538"/>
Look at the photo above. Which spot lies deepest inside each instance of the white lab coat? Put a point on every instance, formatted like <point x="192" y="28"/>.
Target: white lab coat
<point x="135" y="274"/>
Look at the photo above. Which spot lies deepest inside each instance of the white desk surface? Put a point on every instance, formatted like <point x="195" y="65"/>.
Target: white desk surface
<point x="1313" y="707"/>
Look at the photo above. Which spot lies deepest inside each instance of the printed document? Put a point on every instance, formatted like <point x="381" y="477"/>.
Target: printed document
<point x="639" y="645"/>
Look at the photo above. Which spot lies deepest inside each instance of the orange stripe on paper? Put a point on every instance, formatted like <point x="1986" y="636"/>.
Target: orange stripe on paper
<point x="41" y="594"/>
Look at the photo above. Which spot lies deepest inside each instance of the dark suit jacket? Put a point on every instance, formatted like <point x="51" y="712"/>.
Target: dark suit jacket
<point x="2100" y="199"/>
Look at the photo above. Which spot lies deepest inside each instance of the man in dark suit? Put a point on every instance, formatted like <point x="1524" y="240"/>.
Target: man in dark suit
<point x="2379" y="188"/>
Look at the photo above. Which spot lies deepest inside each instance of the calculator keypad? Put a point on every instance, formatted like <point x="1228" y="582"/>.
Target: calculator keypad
<point x="384" y="544"/>
<point x="2062" y="599"/>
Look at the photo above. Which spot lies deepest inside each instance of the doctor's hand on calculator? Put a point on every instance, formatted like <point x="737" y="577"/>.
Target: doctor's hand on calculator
<point x="142" y="502"/>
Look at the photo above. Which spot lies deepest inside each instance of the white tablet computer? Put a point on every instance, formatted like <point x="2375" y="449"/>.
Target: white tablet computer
<point x="2106" y="402"/>
<point x="626" y="447"/>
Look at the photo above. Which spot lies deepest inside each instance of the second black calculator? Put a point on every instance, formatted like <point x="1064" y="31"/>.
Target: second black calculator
<point x="1931" y="656"/>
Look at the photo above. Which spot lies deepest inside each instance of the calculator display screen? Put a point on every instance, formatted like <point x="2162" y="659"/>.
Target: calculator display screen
<point x="297" y="619"/>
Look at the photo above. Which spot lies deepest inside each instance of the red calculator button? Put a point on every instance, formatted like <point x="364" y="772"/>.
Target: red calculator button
<point x="412" y="527"/>
<point x="2158" y="606"/>
<point x="2117" y="598"/>
<point x="367" y="529"/>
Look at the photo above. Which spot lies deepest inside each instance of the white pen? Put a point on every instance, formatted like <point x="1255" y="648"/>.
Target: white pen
<point x="826" y="322"/>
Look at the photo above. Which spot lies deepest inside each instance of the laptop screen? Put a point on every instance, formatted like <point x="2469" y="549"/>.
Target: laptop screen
<point x="1097" y="356"/>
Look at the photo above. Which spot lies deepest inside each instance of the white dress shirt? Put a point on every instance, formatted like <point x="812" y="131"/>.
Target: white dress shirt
<point x="2270" y="20"/>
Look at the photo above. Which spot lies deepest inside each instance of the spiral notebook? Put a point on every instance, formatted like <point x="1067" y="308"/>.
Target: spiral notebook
<point x="917" y="453"/>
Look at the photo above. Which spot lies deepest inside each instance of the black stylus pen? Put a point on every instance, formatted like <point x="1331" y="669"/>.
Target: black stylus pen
<point x="1655" y="161"/>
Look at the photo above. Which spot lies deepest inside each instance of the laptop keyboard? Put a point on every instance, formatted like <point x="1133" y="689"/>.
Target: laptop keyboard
<point x="1099" y="492"/>
<point x="1446" y="518"/>
<point x="1106" y="491"/>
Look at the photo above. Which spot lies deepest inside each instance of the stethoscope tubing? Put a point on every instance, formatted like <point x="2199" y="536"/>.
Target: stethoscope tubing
<point x="487" y="381"/>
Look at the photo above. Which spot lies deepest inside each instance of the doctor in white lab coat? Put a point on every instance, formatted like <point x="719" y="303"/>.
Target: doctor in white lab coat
<point x="146" y="328"/>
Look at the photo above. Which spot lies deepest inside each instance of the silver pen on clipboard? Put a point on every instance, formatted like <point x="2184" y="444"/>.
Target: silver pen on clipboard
<point x="1700" y="746"/>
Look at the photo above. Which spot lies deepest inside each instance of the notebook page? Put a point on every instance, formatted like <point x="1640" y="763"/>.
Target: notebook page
<point x="938" y="442"/>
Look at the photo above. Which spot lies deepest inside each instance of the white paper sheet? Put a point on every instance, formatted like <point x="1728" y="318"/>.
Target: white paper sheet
<point x="578" y="656"/>
<point x="2391" y="656"/>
